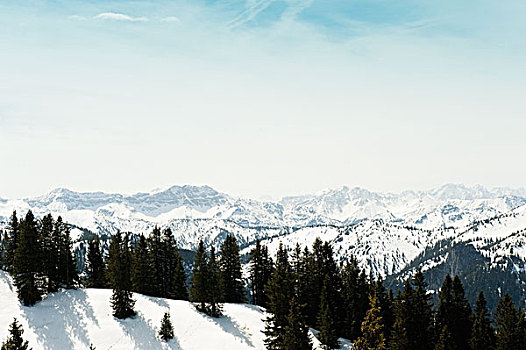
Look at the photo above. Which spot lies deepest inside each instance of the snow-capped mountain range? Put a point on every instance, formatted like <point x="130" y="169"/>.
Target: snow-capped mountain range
<point x="384" y="231"/>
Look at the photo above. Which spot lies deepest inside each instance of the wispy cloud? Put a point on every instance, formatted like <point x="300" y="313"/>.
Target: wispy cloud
<point x="170" y="19"/>
<point x="250" y="13"/>
<point x="119" y="17"/>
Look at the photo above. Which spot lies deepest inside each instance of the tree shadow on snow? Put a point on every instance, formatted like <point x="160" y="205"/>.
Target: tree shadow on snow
<point x="4" y="277"/>
<point x="61" y="317"/>
<point x="232" y="327"/>
<point x="144" y="335"/>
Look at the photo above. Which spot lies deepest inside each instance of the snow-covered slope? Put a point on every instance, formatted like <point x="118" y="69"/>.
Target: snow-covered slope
<point x="74" y="319"/>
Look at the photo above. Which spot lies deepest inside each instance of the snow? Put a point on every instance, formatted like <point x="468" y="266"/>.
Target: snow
<point x="74" y="319"/>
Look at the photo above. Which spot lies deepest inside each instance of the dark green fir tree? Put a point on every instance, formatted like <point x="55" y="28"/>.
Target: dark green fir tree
<point x="279" y="291"/>
<point x="326" y="319"/>
<point x="372" y="330"/>
<point x="231" y="283"/>
<point x="199" y="280"/>
<point x="28" y="263"/>
<point x="167" y="331"/>
<point x="119" y="271"/>
<point x="142" y="272"/>
<point x="296" y="335"/>
<point x="509" y="325"/>
<point x="95" y="268"/>
<point x="260" y="270"/>
<point x="445" y="340"/>
<point x="214" y="307"/>
<point x="15" y="340"/>
<point x="482" y="334"/>
<point x="13" y="234"/>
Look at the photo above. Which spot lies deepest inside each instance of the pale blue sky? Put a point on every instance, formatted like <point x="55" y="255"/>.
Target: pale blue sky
<point x="261" y="97"/>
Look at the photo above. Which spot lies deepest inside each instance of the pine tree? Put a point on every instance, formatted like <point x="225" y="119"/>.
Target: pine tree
<point x="50" y="253"/>
<point x="95" y="268"/>
<point x="461" y="327"/>
<point x="119" y="265"/>
<point x="260" y="270"/>
<point x="156" y="268"/>
<point x="482" y="334"/>
<point x="15" y="340"/>
<point x="67" y="267"/>
<point x="91" y="347"/>
<point x="327" y="336"/>
<point x="199" y="280"/>
<point x="355" y="293"/>
<point x="141" y="273"/>
<point x="385" y="302"/>
<point x="167" y="331"/>
<point x="279" y="290"/>
<point x="12" y="242"/>
<point x="179" y="290"/>
<point x="27" y="263"/>
<point x="445" y="340"/>
<point x="372" y="330"/>
<point x="214" y="308"/>
<point x="454" y="312"/>
<point x="231" y="282"/>
<point x="398" y="339"/>
<point x="320" y="264"/>
<point x="508" y="322"/>
<point x="421" y="315"/>
<point x="296" y="335"/>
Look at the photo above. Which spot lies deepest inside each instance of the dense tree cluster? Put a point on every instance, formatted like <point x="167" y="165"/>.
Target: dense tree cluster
<point x="39" y="255"/>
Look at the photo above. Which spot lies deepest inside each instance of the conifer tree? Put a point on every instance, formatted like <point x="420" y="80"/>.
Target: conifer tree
<point x="260" y="270"/>
<point x="27" y="263"/>
<point x="179" y="290"/>
<point x="95" y="268"/>
<point x="231" y="282"/>
<point x="279" y="290"/>
<point x="15" y="340"/>
<point x="398" y="339"/>
<point x="462" y="322"/>
<point x="454" y="312"/>
<point x="385" y="302"/>
<point x="320" y="264"/>
<point x="214" y="307"/>
<point x="445" y="340"/>
<point x="355" y="293"/>
<point x="50" y="253"/>
<point x="327" y="336"/>
<point x="91" y="347"/>
<point x="421" y="315"/>
<point x="199" y="280"/>
<point x="296" y="335"/>
<point x="12" y="242"/>
<point x="482" y="334"/>
<point x="141" y="273"/>
<point x="372" y="330"/>
<point x="510" y="334"/>
<point x="119" y="265"/>
<point x="167" y="331"/>
<point x="156" y="264"/>
<point x="67" y="267"/>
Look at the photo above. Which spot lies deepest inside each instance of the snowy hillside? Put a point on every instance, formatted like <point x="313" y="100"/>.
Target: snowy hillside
<point x="75" y="318"/>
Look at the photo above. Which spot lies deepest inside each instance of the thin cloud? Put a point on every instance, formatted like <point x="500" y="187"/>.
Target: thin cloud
<point x="171" y="19"/>
<point x="119" y="17"/>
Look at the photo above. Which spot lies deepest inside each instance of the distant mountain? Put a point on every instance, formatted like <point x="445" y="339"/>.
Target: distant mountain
<point x="385" y="231"/>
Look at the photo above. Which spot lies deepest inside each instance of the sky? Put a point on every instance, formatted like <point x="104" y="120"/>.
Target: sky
<point x="261" y="98"/>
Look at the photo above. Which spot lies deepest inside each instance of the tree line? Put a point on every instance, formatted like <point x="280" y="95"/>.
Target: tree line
<point x="300" y="289"/>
